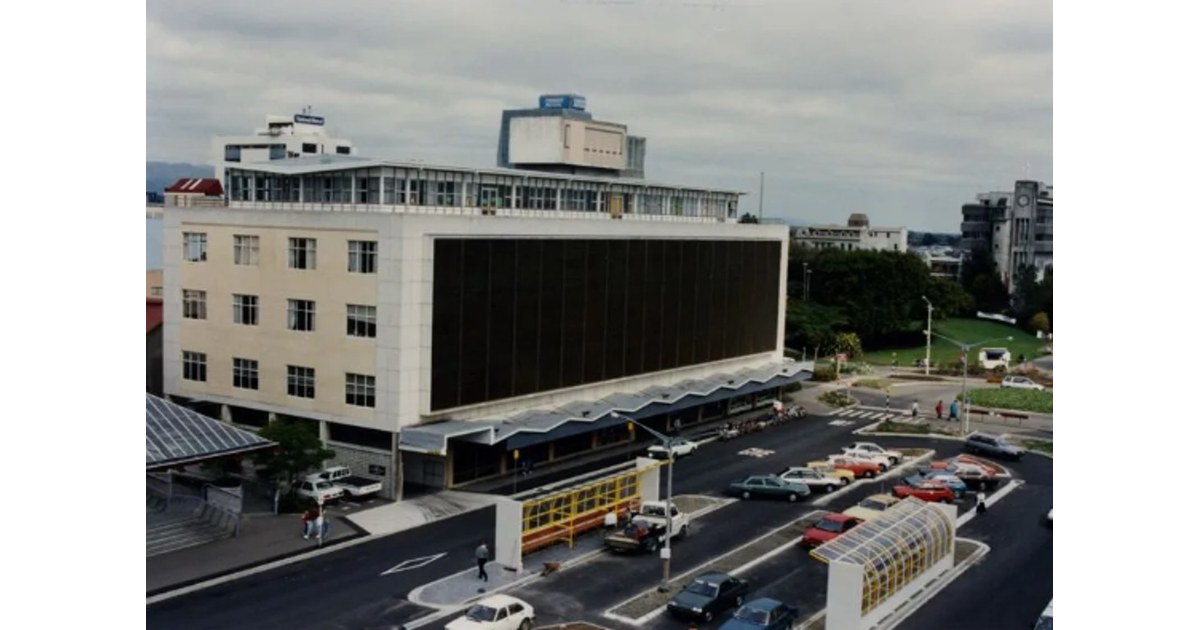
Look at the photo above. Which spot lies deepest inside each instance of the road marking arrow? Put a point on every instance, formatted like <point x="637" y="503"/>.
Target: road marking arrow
<point x="408" y="565"/>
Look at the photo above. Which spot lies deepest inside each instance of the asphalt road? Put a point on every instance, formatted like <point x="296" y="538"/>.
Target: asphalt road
<point x="1015" y="580"/>
<point x="340" y="590"/>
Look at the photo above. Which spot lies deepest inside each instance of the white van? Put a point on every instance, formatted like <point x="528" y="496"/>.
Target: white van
<point x="992" y="358"/>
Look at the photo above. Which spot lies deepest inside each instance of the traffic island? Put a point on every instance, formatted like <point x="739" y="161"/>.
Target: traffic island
<point x="641" y="608"/>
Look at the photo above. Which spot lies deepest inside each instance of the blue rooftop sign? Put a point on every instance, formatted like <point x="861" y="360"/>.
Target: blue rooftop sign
<point x="310" y="120"/>
<point x="562" y="101"/>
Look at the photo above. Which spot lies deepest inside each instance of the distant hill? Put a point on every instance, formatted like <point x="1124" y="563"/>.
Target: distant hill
<point x="159" y="175"/>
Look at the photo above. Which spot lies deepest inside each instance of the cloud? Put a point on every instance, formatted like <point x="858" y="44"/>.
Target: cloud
<point x="902" y="110"/>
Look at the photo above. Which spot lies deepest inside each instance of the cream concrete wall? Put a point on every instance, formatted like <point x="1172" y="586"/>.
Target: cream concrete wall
<point x="558" y="140"/>
<point x="154" y="280"/>
<point x="327" y="349"/>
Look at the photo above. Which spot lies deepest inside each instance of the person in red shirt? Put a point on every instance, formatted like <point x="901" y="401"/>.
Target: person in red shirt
<point x="309" y="518"/>
<point x="938" y="409"/>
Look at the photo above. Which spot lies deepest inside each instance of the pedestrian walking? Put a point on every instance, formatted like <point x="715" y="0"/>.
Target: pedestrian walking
<point x="954" y="411"/>
<point x="310" y="515"/>
<point x="319" y="525"/>
<point x="481" y="559"/>
<point x="939" y="410"/>
<point x="610" y="520"/>
<point x="981" y="507"/>
<point x="915" y="409"/>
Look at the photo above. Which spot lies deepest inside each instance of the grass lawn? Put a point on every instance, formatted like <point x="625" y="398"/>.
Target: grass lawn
<point x="873" y="383"/>
<point x="965" y="330"/>
<point x="1038" y="445"/>
<point x="1016" y="399"/>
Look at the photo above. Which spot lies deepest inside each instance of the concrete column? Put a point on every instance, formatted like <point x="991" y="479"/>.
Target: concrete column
<point x="551" y="456"/>
<point x="595" y="440"/>
<point x="226" y="416"/>
<point x="397" y="467"/>
<point x="271" y="417"/>
<point x="323" y="430"/>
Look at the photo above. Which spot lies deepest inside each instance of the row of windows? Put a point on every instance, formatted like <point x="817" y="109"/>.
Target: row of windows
<point x="391" y="186"/>
<point x="301" y="314"/>
<point x="301" y="381"/>
<point x="361" y="256"/>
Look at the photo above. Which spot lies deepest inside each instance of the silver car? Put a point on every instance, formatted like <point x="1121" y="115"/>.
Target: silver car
<point x="1020" y="382"/>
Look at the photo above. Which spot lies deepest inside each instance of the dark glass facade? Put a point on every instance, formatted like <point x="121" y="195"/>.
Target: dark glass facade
<point x="519" y="316"/>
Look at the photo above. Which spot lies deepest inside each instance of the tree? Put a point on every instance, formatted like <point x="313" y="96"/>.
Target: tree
<point x="300" y="450"/>
<point x="847" y="343"/>
<point x="879" y="293"/>
<point x="990" y="294"/>
<point x="1040" y="322"/>
<point x="979" y="263"/>
<point x="1046" y="294"/>
<point x="810" y="325"/>
<point x="949" y="298"/>
<point x="1027" y="295"/>
<point x="928" y="239"/>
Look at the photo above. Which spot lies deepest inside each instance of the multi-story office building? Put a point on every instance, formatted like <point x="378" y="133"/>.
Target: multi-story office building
<point x="856" y="234"/>
<point x="283" y="137"/>
<point x="561" y="136"/>
<point x="1017" y="227"/>
<point x="430" y="321"/>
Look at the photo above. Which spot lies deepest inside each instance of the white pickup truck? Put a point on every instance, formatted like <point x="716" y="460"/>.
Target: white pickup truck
<point x="647" y="530"/>
<point x="870" y="447"/>
<point x="341" y="477"/>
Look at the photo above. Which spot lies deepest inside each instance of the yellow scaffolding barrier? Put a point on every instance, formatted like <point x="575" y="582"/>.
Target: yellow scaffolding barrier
<point x="566" y="514"/>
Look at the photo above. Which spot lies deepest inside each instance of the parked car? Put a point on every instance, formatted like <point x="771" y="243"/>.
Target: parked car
<point x="318" y="490"/>
<point x="763" y="614"/>
<point x="883" y="461"/>
<point x="872" y="506"/>
<point x="648" y="528"/>
<point x="1014" y="381"/>
<point x="987" y="444"/>
<point x="679" y="448"/>
<point x="768" y="486"/>
<point x="894" y="457"/>
<point x="956" y="485"/>
<point x="1046" y="620"/>
<point x="845" y="477"/>
<point x="830" y="527"/>
<point x="813" y="479"/>
<point x="859" y="467"/>
<point x="707" y="596"/>
<point x="356" y="487"/>
<point x="925" y="491"/>
<point x="498" y="612"/>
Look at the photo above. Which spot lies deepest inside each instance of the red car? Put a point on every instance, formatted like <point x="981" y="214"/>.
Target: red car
<point x="931" y="492"/>
<point x="859" y="467"/>
<point x="830" y="527"/>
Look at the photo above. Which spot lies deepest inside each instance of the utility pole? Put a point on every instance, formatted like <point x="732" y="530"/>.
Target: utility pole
<point x="928" y="332"/>
<point x="668" y="443"/>
<point x="804" y="291"/>
<point x="762" y="176"/>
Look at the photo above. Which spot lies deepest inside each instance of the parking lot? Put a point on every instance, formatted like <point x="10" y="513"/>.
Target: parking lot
<point x="595" y="591"/>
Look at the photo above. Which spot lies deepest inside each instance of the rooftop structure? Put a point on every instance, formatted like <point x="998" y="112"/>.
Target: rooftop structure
<point x="1016" y="227"/>
<point x="561" y="136"/>
<point x="281" y="138"/>
<point x="856" y="234"/>
<point x="176" y="436"/>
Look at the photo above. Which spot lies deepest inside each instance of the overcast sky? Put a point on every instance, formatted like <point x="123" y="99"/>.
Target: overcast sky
<point x="900" y="109"/>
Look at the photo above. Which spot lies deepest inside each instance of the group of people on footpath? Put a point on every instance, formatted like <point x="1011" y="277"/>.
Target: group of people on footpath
<point x="315" y="524"/>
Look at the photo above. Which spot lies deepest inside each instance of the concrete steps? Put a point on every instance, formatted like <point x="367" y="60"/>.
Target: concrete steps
<point x="181" y="534"/>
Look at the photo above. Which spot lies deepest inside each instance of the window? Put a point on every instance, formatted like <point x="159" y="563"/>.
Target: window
<point x="195" y="246"/>
<point x="245" y="373"/>
<point x="343" y="150"/>
<point x="195" y="366"/>
<point x="245" y="250"/>
<point x="360" y="390"/>
<point x="245" y="309"/>
<point x="301" y="382"/>
<point x="156" y="291"/>
<point x="308" y="147"/>
<point x="302" y="253"/>
<point x="302" y="315"/>
<point x="445" y="194"/>
<point x="362" y="256"/>
<point x="360" y="320"/>
<point x="195" y="304"/>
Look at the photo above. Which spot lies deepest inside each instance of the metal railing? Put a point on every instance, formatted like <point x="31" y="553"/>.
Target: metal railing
<point x="369" y="208"/>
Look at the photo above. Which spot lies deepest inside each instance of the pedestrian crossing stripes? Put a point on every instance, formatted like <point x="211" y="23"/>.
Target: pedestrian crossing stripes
<point x="756" y="452"/>
<point x="840" y="423"/>
<point x="871" y="415"/>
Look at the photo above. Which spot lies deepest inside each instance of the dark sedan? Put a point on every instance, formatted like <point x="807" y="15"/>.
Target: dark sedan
<point x="763" y="614"/>
<point x="708" y="596"/>
<point x="768" y="486"/>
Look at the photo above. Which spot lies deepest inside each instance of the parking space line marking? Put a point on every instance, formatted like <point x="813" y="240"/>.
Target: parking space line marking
<point x="414" y="563"/>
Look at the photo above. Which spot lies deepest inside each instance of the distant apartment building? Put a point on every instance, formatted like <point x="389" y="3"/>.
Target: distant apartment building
<point x="1017" y="227"/>
<point x="944" y="266"/>
<point x="560" y="136"/>
<point x="283" y="137"/>
<point x="857" y="234"/>
<point x="154" y="283"/>
<point x="431" y="320"/>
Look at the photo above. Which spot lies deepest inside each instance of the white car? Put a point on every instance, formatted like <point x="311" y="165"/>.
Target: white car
<point x="318" y="490"/>
<point x="1020" y="382"/>
<point x="498" y="612"/>
<point x="679" y="448"/>
<point x="815" y="480"/>
<point x="871" y="447"/>
<point x="883" y="461"/>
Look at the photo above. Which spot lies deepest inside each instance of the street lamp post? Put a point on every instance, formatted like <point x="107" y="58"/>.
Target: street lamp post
<point x="964" y="348"/>
<point x="667" y="442"/>
<point x="928" y="332"/>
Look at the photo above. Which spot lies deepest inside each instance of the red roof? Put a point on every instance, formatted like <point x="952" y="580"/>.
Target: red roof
<point x="154" y="313"/>
<point x="209" y="187"/>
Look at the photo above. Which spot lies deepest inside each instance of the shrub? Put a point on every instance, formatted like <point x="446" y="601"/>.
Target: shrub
<point x="873" y="383"/>
<point x="836" y="399"/>
<point x="824" y="375"/>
